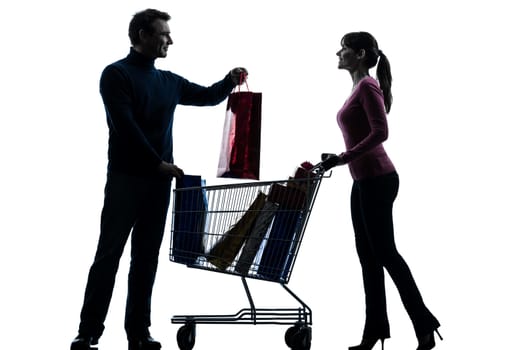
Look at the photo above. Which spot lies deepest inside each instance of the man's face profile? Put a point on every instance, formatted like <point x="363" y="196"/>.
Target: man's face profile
<point x="156" y="43"/>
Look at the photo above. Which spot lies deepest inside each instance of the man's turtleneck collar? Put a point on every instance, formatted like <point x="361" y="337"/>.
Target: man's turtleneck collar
<point x="139" y="59"/>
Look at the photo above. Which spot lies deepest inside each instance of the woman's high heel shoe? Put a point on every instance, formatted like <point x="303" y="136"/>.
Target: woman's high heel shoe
<point x="367" y="344"/>
<point x="427" y="342"/>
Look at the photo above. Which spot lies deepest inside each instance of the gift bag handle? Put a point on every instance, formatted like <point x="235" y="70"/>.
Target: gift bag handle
<point x="243" y="80"/>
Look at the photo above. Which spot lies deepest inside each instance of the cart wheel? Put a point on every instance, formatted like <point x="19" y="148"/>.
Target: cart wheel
<point x="291" y="333"/>
<point x="185" y="336"/>
<point x="298" y="337"/>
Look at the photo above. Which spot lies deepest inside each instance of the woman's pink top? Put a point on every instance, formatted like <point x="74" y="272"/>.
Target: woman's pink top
<point x="364" y="127"/>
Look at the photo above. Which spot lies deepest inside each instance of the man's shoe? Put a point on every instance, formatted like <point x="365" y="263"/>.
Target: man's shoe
<point x="83" y="342"/>
<point x="145" y="343"/>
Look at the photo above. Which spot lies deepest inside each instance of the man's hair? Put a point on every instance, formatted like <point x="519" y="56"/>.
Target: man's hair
<point x="144" y="20"/>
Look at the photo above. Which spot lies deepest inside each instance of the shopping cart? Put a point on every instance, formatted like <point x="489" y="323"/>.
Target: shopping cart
<point x="252" y="230"/>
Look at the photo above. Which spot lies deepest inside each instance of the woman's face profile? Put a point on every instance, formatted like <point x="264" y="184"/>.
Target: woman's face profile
<point x="347" y="58"/>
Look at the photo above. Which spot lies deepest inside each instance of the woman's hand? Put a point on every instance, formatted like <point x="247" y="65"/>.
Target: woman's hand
<point x="330" y="161"/>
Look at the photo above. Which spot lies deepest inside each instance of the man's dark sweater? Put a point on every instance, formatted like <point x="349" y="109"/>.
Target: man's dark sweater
<point x="140" y="101"/>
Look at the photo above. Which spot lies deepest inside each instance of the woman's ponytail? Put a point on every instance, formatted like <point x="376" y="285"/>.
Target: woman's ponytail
<point x="385" y="79"/>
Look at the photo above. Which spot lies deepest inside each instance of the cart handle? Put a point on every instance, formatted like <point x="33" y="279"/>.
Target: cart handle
<point x="329" y="161"/>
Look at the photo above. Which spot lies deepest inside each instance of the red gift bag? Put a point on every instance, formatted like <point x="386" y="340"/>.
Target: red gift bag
<point x="240" y="151"/>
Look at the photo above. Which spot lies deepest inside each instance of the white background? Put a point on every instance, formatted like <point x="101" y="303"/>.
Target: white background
<point x="455" y="137"/>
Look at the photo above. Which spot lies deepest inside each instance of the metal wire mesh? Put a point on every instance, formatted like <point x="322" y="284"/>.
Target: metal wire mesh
<point x="251" y="229"/>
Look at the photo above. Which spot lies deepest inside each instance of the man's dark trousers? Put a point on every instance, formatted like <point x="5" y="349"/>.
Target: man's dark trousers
<point x="137" y="206"/>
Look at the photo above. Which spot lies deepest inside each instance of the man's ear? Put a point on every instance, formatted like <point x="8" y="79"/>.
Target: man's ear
<point x="142" y="34"/>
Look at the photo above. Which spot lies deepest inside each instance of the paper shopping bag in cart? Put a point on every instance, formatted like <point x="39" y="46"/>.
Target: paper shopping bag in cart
<point x="283" y="240"/>
<point x="287" y="196"/>
<point x="240" y="151"/>
<point x="303" y="179"/>
<point x="189" y="217"/>
<point x="277" y="255"/>
<point x="255" y="238"/>
<point x="223" y="253"/>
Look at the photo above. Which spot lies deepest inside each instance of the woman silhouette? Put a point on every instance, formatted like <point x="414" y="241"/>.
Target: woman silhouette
<point x="362" y="120"/>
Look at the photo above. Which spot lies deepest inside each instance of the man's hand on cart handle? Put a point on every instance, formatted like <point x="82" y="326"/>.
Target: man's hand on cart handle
<point x="330" y="160"/>
<point x="169" y="169"/>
